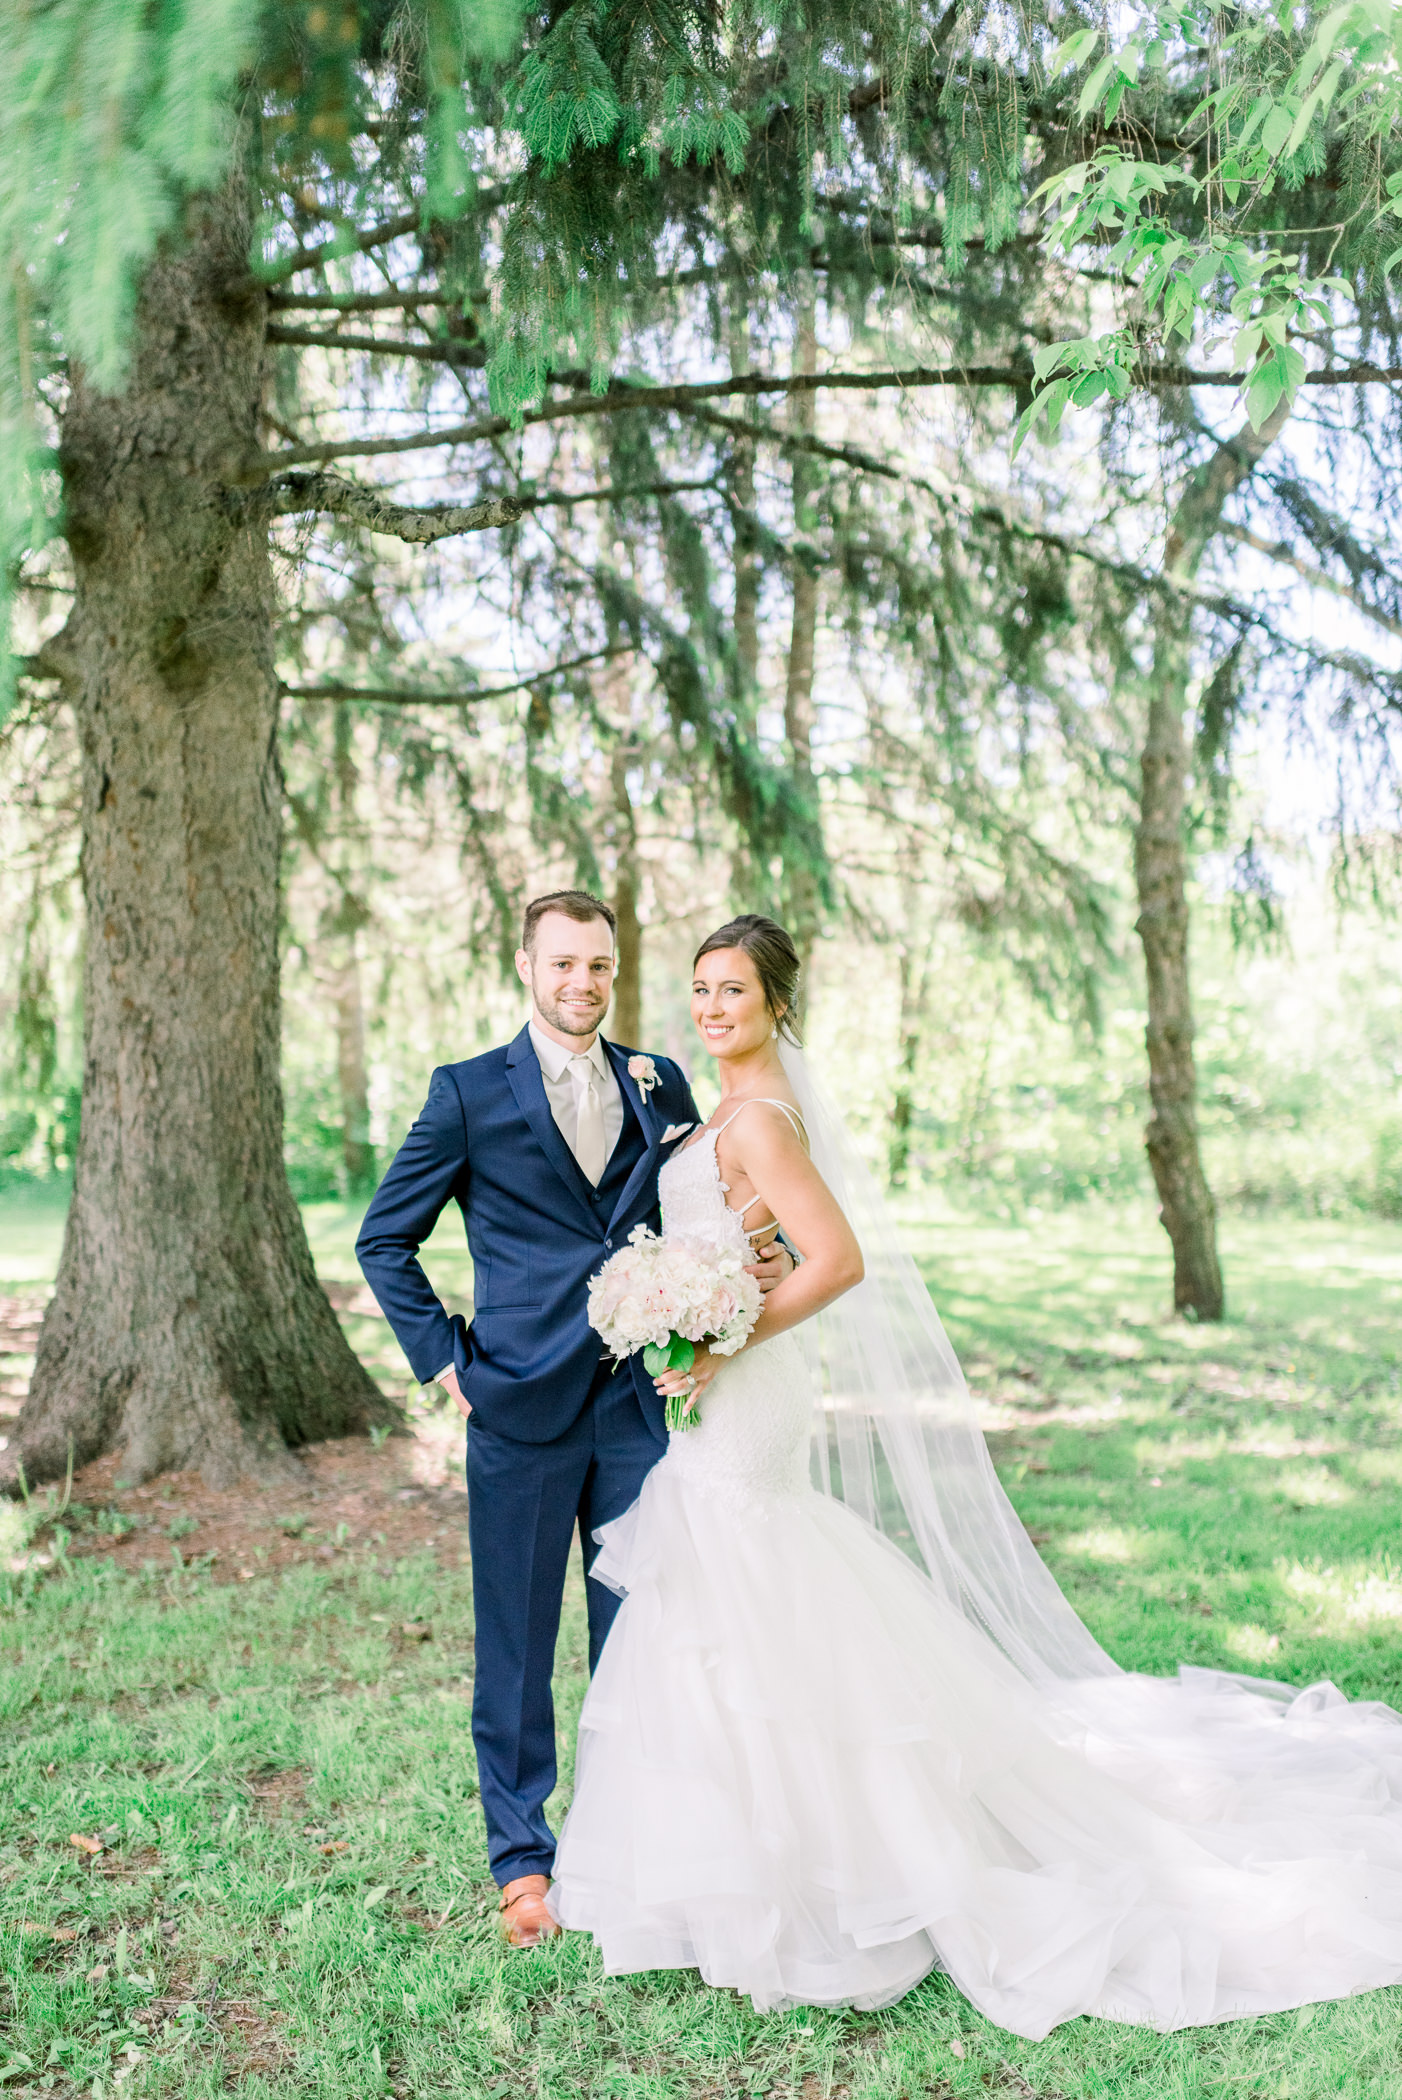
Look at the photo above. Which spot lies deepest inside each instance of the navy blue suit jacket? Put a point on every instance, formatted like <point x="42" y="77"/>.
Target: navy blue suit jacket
<point x="536" y="1229"/>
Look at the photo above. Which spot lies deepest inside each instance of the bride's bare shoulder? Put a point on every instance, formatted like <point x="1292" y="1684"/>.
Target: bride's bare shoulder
<point x="773" y="1122"/>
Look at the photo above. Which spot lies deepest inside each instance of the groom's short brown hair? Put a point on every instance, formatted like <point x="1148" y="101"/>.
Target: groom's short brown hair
<point x="578" y="905"/>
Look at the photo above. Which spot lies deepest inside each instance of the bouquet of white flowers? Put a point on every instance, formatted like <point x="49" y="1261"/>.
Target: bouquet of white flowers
<point x="663" y="1296"/>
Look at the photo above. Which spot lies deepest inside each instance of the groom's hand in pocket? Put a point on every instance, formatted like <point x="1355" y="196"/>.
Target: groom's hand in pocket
<point x="771" y="1265"/>
<point x="449" y="1380"/>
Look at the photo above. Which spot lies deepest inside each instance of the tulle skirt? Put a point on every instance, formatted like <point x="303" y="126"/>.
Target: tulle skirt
<point x="803" y="1774"/>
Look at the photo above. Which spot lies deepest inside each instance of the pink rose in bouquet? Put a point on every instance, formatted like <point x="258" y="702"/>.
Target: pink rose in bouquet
<point x="663" y="1296"/>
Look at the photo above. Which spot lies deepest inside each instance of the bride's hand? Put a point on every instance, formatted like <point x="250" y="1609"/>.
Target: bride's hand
<point x="693" y="1382"/>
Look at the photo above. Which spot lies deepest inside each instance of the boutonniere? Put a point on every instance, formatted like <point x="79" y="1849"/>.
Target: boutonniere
<point x="644" y="1071"/>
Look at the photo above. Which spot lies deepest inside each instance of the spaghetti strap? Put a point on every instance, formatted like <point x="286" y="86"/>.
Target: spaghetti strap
<point x="795" y="1119"/>
<point x="769" y="1102"/>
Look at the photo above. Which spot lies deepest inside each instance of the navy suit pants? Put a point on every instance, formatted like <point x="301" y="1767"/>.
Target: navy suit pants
<point x="524" y="1502"/>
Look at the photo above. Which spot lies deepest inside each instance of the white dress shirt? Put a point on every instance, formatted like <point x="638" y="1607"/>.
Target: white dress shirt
<point x="563" y="1096"/>
<point x="560" y="1091"/>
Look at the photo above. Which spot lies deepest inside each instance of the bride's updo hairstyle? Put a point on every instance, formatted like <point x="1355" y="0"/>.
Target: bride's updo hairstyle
<point x="775" y="959"/>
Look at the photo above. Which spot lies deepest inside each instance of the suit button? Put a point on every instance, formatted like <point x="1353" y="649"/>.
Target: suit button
<point x="608" y="1243"/>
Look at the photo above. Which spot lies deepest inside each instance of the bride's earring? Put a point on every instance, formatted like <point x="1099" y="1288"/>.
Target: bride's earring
<point x="773" y="1035"/>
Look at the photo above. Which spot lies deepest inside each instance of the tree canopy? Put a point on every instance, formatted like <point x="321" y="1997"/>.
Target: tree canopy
<point x="559" y="300"/>
<point x="1232" y="172"/>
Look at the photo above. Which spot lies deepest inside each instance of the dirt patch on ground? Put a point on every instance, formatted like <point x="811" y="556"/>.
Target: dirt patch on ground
<point x="249" y="2031"/>
<point x="279" y="1793"/>
<point x="398" y="1500"/>
<point x="403" y="1496"/>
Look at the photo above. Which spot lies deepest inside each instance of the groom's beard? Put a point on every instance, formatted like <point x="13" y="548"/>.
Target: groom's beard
<point x="582" y="1020"/>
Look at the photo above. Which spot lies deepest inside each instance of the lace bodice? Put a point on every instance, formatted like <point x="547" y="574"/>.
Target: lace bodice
<point x="751" y="1442"/>
<point x="693" y="1196"/>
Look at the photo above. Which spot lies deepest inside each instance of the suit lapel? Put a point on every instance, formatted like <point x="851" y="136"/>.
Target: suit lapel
<point x="640" y="1099"/>
<point x="524" y="1076"/>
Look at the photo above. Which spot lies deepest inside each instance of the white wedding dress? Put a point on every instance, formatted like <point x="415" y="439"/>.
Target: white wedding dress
<point x="804" y="1773"/>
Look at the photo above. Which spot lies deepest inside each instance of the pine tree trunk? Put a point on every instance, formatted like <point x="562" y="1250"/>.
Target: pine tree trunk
<point x="188" y="1327"/>
<point x="913" y="975"/>
<point x="801" y="883"/>
<point x="1186" y="1208"/>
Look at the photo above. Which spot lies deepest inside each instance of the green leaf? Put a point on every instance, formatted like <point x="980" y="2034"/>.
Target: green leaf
<point x="1260" y="110"/>
<point x="1276" y="129"/>
<point x="1276" y="376"/>
<point x="1325" y="38"/>
<point x="1046" y="360"/>
<point x="1090" y="94"/>
<point x="374" y="1896"/>
<point x="1246" y="345"/>
<point x="1073" y="52"/>
<point x="1048" y="408"/>
<point x="1318" y="97"/>
<point x="681" y="1355"/>
<point x="1179" y="306"/>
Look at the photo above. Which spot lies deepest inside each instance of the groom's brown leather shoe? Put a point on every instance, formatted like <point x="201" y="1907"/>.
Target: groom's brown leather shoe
<point x="522" y="1914"/>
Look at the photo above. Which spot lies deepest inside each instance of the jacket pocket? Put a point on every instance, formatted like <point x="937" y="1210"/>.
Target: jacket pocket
<point x="502" y="1281"/>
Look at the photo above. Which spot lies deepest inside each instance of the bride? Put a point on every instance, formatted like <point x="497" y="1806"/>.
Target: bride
<point x="846" y="1729"/>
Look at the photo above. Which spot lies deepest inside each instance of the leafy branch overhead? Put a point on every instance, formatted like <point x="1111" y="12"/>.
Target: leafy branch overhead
<point x="952" y="123"/>
<point x="1193" y="232"/>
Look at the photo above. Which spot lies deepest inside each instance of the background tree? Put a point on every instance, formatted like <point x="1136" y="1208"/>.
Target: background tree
<point x="544" y="208"/>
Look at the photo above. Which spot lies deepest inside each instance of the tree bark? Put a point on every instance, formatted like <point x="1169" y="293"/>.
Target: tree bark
<point x="802" y="901"/>
<point x="188" y="1327"/>
<point x="913" y="971"/>
<point x="1186" y="1207"/>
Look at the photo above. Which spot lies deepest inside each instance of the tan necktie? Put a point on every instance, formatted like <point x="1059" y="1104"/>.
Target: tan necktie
<point x="589" y="1148"/>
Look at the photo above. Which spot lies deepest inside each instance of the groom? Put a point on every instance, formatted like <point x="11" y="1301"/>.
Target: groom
<point x="551" y="1148"/>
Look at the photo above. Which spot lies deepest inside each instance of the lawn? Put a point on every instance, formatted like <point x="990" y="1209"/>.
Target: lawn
<point x="290" y="1895"/>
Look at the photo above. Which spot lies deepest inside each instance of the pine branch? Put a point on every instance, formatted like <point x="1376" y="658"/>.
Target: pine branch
<point x="330" y="495"/>
<point x="415" y="696"/>
<point x="54" y="660"/>
<point x="621" y="397"/>
<point x="333" y="497"/>
<point x="443" y="350"/>
<point x="1279" y="550"/>
<point x="373" y="237"/>
<point x="790" y="441"/>
<point x="357" y="302"/>
<point x="327" y="251"/>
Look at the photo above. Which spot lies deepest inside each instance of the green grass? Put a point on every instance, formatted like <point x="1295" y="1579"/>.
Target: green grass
<point x="1228" y="1495"/>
